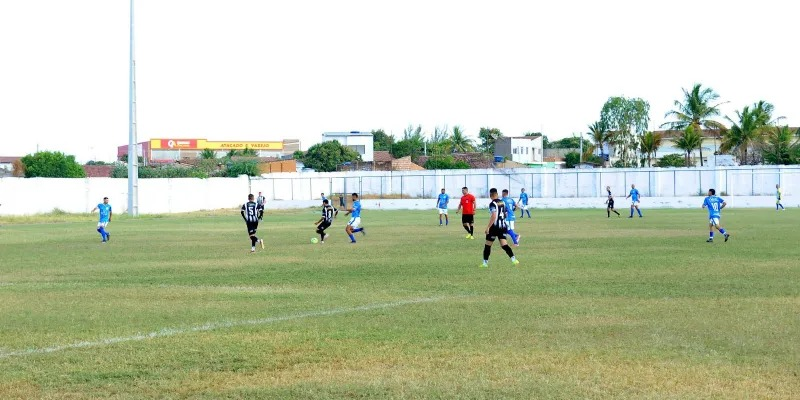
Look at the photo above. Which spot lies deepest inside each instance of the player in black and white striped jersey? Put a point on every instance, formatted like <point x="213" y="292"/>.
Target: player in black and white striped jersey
<point x="496" y="229"/>
<point x="325" y="221"/>
<point x="251" y="213"/>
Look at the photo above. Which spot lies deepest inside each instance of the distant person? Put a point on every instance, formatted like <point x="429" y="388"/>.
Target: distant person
<point x="441" y="205"/>
<point x="328" y="214"/>
<point x="252" y="213"/>
<point x="610" y="203"/>
<point x="511" y="218"/>
<point x="342" y="203"/>
<point x="714" y="204"/>
<point x="778" y="198"/>
<point x="355" y="219"/>
<point x="322" y="196"/>
<point x="634" y="195"/>
<point x="468" y="204"/>
<point x="523" y="204"/>
<point x="496" y="229"/>
<point x="105" y="219"/>
<point x="261" y="201"/>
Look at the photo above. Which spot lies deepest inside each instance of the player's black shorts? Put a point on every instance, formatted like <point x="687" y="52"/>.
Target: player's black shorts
<point x="252" y="227"/>
<point x="324" y="225"/>
<point x="611" y="204"/>
<point x="496" y="233"/>
<point x="467" y="218"/>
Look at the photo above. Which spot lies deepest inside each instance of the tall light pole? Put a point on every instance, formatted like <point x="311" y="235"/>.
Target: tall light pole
<point x="133" y="159"/>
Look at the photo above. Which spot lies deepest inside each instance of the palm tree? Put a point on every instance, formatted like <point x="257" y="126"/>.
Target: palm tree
<point x="208" y="154"/>
<point x="688" y="141"/>
<point x="248" y="152"/>
<point x="696" y="111"/>
<point x="461" y="142"/>
<point x="781" y="148"/>
<point x="649" y="145"/>
<point x="748" y="131"/>
<point x="599" y="136"/>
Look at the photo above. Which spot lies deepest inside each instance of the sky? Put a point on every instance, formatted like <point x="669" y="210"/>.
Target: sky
<point x="273" y="70"/>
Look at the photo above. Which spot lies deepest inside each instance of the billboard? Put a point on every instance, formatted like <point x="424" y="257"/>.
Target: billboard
<point x="201" y="144"/>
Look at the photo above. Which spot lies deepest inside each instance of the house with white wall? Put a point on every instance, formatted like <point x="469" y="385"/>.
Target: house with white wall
<point x="361" y="142"/>
<point x="521" y="149"/>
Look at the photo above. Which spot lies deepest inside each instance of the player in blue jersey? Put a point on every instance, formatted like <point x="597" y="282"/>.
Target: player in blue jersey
<point x="441" y="205"/>
<point x="635" y="196"/>
<point x="355" y="219"/>
<point x="714" y="204"/>
<point x="105" y="218"/>
<point x="523" y="204"/>
<point x="511" y="218"/>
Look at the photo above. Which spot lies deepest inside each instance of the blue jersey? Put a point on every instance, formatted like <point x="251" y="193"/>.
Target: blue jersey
<point x="444" y="198"/>
<point x="714" y="205"/>
<point x="634" y="194"/>
<point x="356" y="209"/>
<point x="105" y="212"/>
<point x="509" y="202"/>
<point x="523" y="197"/>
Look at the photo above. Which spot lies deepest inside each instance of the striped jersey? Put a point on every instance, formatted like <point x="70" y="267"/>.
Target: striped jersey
<point x="328" y="212"/>
<point x="498" y="207"/>
<point x="251" y="211"/>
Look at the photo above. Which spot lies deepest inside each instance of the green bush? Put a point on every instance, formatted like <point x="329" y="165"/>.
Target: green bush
<point x="446" y="162"/>
<point x="671" y="160"/>
<point x="52" y="164"/>
<point x="572" y="159"/>
<point x="242" y="167"/>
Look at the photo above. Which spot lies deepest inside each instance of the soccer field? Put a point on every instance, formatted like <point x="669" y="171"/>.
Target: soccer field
<point x="175" y="306"/>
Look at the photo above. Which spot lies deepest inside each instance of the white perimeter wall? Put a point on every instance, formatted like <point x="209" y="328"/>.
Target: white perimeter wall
<point x="740" y="186"/>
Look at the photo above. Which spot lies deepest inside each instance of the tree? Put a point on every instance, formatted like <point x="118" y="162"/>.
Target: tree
<point x="242" y="167"/>
<point x="446" y="162"/>
<point x="208" y="154"/>
<point x="747" y="131"/>
<point x="488" y="137"/>
<point x="625" y="119"/>
<point x="649" y="146"/>
<point x="572" y="159"/>
<point x="573" y="142"/>
<point x="599" y="136"/>
<point x="298" y="155"/>
<point x="696" y="111"/>
<point x="671" y="160"/>
<point x="412" y="144"/>
<point x="781" y="147"/>
<point x="248" y="152"/>
<point x="50" y="164"/>
<point x="326" y="156"/>
<point x="440" y="141"/>
<point x="461" y="142"/>
<point x="232" y="153"/>
<point x="688" y="141"/>
<point x="382" y="141"/>
<point x="545" y="140"/>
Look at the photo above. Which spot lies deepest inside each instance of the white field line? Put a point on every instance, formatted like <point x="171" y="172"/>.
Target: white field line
<point x="166" y="332"/>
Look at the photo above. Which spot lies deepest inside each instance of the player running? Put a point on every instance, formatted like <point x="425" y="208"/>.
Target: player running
<point x="252" y="212"/>
<point x="523" y="204"/>
<point x="328" y="214"/>
<point x="104" y="220"/>
<point x="467" y="203"/>
<point x="441" y="205"/>
<point x="496" y="229"/>
<point x="511" y="218"/>
<point x="778" y="198"/>
<point x="715" y="205"/>
<point x="610" y="203"/>
<point x="634" y="195"/>
<point x="355" y="219"/>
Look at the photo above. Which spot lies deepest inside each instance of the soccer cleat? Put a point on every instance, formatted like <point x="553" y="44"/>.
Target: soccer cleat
<point x="484" y="265"/>
<point x="468" y="236"/>
<point x="363" y="231"/>
<point x="518" y="238"/>
<point x="253" y="250"/>
<point x="262" y="243"/>
<point x="631" y="216"/>
<point x="710" y="240"/>
<point x="325" y="237"/>
<point x="108" y="236"/>
<point x="471" y="237"/>
<point x="515" y="262"/>
<point x="727" y="235"/>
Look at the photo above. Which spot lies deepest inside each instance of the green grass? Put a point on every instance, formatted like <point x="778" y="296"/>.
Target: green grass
<point x="599" y="308"/>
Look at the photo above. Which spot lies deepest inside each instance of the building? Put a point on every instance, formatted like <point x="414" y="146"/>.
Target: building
<point x="169" y="150"/>
<point x="521" y="149"/>
<point x="7" y="165"/>
<point x="361" y="142"/>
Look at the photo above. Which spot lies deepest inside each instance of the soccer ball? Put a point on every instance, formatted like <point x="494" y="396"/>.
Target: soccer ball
<point x="314" y="240"/>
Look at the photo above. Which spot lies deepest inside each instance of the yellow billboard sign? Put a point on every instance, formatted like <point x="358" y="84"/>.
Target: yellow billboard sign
<point x="201" y="144"/>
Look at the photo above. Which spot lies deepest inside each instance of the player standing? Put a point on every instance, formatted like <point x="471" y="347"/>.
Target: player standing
<point x="468" y="204"/>
<point x="511" y="218"/>
<point x="328" y="214"/>
<point x="635" y="196"/>
<point x="610" y="203"/>
<point x="252" y="213"/>
<point x="523" y="204"/>
<point x="715" y="205"/>
<point x="355" y="219"/>
<point x="260" y="201"/>
<point x="778" y="198"/>
<point x="496" y="229"/>
<point x="441" y="205"/>
<point x="105" y="218"/>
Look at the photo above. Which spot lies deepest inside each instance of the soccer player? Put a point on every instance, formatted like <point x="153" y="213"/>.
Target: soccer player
<point x="496" y="229"/>
<point x="355" y="219"/>
<point x="105" y="218"/>
<point x="252" y="213"/>
<point x="441" y="204"/>
<point x="635" y="196"/>
<point x="778" y="198"/>
<point x="328" y="214"/>
<point x="523" y="204"/>
<point x="260" y="201"/>
<point x="715" y="205"/>
<point x="610" y="203"/>
<point x="322" y="196"/>
<point x="467" y="203"/>
<point x="511" y="218"/>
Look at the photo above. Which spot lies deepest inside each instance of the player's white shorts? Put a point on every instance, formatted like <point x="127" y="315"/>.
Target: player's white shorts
<point x="442" y="211"/>
<point x="354" y="222"/>
<point x="713" y="221"/>
<point x="524" y="207"/>
<point x="634" y="203"/>
<point x="510" y="225"/>
<point x="102" y="224"/>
